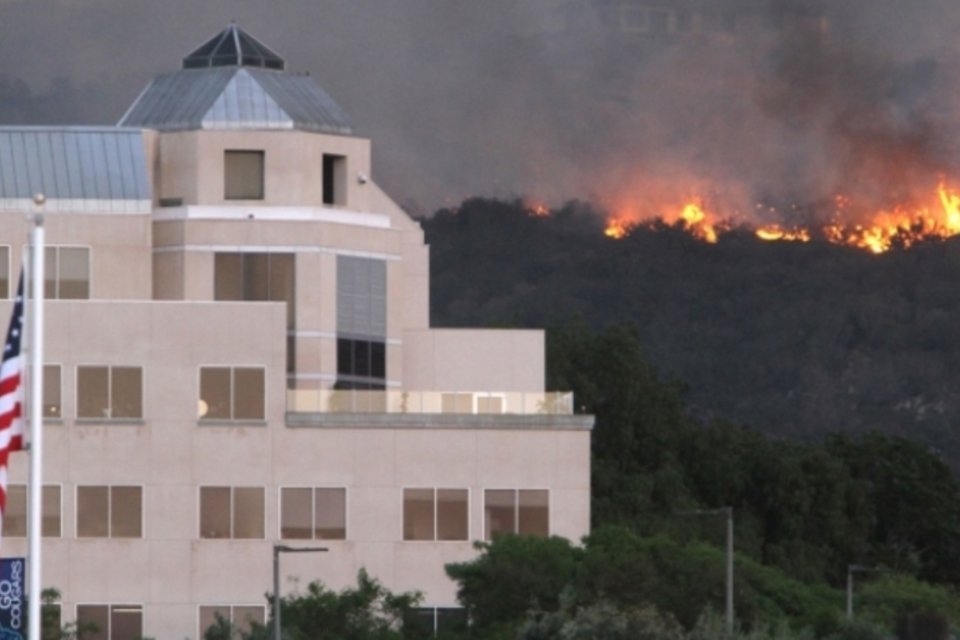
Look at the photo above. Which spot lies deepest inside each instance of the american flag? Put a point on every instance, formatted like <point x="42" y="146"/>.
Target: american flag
<point x="11" y="395"/>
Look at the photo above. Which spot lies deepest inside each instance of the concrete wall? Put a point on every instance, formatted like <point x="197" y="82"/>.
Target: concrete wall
<point x="474" y="360"/>
<point x="190" y="166"/>
<point x="170" y="571"/>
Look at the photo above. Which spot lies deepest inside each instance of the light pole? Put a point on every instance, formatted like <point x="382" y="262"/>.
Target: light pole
<point x="277" y="550"/>
<point x="728" y="512"/>
<point x="851" y="569"/>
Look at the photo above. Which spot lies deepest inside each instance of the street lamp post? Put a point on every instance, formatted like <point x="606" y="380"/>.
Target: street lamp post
<point x="852" y="569"/>
<point x="277" y="550"/>
<point x="728" y="512"/>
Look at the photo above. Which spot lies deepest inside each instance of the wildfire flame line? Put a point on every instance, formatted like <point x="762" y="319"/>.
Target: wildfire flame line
<point x="902" y="226"/>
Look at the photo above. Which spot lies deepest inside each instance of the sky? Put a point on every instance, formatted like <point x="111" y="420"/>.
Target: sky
<point x="529" y="98"/>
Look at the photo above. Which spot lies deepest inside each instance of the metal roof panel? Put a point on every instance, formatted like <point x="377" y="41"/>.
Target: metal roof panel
<point x="75" y="163"/>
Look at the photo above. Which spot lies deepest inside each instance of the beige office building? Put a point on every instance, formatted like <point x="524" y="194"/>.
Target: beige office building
<point x="238" y="355"/>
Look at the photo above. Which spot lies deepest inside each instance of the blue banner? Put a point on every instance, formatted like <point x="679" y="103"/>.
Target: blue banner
<point x="13" y="599"/>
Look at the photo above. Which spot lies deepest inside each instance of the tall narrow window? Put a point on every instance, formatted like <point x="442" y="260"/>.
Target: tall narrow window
<point x="109" y="512"/>
<point x="243" y="175"/>
<point x="109" y="393"/>
<point x="51" y="621"/>
<point x="232" y="512"/>
<point x="232" y="393"/>
<point x="334" y="179"/>
<point x="4" y="272"/>
<point x="67" y="273"/>
<point x="51" y="391"/>
<point x="361" y="323"/>
<point x="313" y="513"/>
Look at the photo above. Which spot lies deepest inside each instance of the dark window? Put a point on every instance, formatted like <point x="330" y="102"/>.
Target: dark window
<point x="429" y="622"/>
<point x="361" y="361"/>
<point x="334" y="179"/>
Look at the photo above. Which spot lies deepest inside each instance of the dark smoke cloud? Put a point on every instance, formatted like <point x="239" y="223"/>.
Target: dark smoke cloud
<point x="534" y="97"/>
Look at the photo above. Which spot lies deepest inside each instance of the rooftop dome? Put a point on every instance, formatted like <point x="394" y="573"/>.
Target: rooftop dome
<point x="233" y="47"/>
<point x="235" y="82"/>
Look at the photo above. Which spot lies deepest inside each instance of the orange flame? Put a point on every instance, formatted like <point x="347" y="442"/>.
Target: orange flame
<point x="617" y="228"/>
<point x="696" y="221"/>
<point x="902" y="226"/>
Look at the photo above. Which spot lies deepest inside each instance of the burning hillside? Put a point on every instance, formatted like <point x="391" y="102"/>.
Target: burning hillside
<point x="843" y="221"/>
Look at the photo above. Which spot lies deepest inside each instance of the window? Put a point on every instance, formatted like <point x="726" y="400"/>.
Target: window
<point x="109" y="512"/>
<point x="4" y="271"/>
<point x="523" y="511"/>
<point x="243" y="175"/>
<point x="51" y="391"/>
<point x="435" y="514"/>
<point x="428" y="622"/>
<point x="490" y="403"/>
<point x="111" y="621"/>
<point x="361" y="359"/>
<point x="313" y="514"/>
<point x="232" y="393"/>
<point x="241" y="617"/>
<point x="15" y="514"/>
<point x="259" y="276"/>
<point x="109" y="393"/>
<point x="231" y="512"/>
<point x="50" y="621"/>
<point x="334" y="179"/>
<point x="456" y="402"/>
<point x="67" y="273"/>
<point x="361" y="323"/>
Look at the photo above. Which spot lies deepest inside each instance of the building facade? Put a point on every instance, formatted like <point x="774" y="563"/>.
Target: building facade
<point x="238" y="355"/>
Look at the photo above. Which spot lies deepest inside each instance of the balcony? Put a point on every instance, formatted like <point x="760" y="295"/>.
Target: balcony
<point x="489" y="403"/>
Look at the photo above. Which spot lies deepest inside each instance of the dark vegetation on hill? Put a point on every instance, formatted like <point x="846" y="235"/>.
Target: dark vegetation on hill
<point x="796" y="340"/>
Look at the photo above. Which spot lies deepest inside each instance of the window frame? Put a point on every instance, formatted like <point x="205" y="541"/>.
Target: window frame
<point x="489" y="535"/>
<point x="313" y="502"/>
<point x="262" y="420"/>
<point x="110" y="390"/>
<point x="232" y="514"/>
<point x="110" y="535"/>
<point x="435" y="502"/>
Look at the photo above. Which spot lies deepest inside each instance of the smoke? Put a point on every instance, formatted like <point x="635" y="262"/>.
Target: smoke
<point x="786" y="106"/>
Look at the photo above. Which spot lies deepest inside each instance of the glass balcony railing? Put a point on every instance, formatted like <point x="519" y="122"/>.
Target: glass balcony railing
<point x="435" y="402"/>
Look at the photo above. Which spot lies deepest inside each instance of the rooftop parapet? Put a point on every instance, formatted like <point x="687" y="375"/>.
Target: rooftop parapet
<point x="431" y="402"/>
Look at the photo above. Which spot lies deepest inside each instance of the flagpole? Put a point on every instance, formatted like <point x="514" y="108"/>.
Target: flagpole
<point x="35" y="509"/>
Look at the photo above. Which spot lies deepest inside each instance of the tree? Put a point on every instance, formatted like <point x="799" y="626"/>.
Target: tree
<point x="512" y="575"/>
<point x="368" y="611"/>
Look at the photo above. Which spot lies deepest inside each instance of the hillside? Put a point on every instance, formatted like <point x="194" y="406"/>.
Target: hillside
<point x="795" y="339"/>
